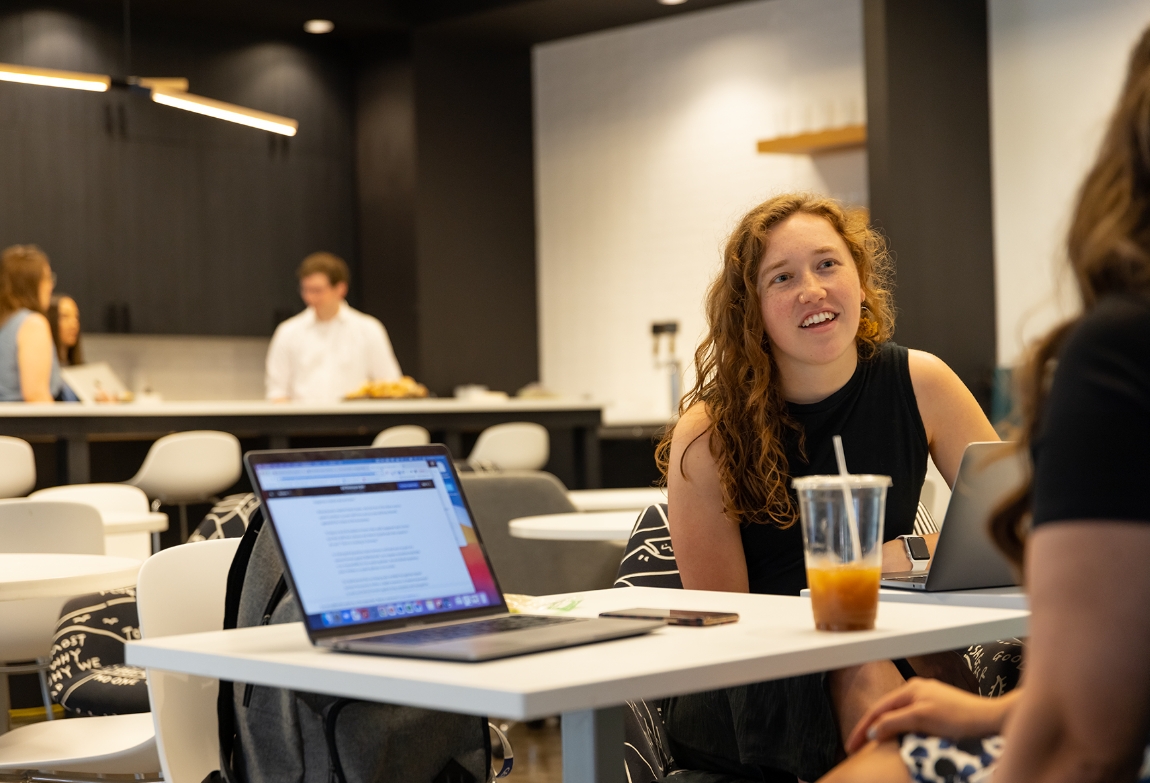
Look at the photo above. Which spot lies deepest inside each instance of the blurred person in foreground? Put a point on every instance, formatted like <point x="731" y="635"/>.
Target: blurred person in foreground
<point x="64" y="319"/>
<point x="29" y="370"/>
<point x="330" y="349"/>
<point x="1081" y="527"/>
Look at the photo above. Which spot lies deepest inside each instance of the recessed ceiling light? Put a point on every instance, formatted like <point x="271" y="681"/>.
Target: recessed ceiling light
<point x="321" y="26"/>
<point x="672" y="2"/>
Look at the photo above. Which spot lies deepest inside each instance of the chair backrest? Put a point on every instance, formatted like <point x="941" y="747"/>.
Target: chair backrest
<point x="527" y="566"/>
<point x="187" y="467"/>
<point x="518" y="445"/>
<point x="17" y="467"/>
<point x="648" y="558"/>
<point x="183" y="706"/>
<point x="58" y="527"/>
<point x="403" y="435"/>
<point x="107" y="498"/>
<point x="924" y="523"/>
<point x="935" y="493"/>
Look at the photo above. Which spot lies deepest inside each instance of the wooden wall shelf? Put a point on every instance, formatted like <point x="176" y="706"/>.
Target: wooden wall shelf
<point x="847" y="137"/>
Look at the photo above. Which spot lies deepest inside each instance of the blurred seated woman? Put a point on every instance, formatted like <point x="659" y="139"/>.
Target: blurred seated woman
<point x="64" y="319"/>
<point x="1081" y="525"/>
<point x="29" y="369"/>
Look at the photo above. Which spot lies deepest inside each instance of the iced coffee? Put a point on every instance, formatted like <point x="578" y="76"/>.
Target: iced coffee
<point x="843" y="547"/>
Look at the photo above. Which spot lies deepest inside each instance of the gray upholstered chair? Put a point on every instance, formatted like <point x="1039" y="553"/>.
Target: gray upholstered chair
<point x="534" y="567"/>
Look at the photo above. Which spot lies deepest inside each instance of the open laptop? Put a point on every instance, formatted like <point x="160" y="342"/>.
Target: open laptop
<point x="966" y="557"/>
<point x="379" y="546"/>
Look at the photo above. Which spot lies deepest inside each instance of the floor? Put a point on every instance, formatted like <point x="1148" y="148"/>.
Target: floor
<point x="538" y="752"/>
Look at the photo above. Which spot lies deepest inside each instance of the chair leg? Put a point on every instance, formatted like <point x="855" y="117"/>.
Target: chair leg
<point x="155" y="542"/>
<point x="42" y="672"/>
<point x="5" y="703"/>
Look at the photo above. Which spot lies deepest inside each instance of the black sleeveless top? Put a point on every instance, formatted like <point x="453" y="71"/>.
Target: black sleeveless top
<point x="877" y="416"/>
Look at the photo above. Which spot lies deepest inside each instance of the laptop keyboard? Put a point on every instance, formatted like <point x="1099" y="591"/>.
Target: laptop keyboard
<point x="445" y="633"/>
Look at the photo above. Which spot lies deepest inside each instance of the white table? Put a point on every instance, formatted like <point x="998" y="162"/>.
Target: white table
<point x="33" y="588"/>
<point x="36" y="575"/>
<point x="636" y="498"/>
<point x="774" y="638"/>
<point x="123" y="528"/>
<point x="591" y="526"/>
<point x="987" y="597"/>
<point x="119" y="522"/>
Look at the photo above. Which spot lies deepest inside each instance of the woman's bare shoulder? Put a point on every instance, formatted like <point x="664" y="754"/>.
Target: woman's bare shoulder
<point x="35" y="324"/>
<point x="931" y="375"/>
<point x="693" y="423"/>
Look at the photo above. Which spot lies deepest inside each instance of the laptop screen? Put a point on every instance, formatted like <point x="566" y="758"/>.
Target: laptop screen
<point x="377" y="538"/>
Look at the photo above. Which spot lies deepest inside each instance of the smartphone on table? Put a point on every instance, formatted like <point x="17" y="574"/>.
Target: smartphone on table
<point x="675" y="616"/>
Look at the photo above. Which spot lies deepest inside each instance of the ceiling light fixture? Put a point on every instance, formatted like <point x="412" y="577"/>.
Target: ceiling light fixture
<point x="51" y="77"/>
<point x="168" y="91"/>
<point x="672" y="2"/>
<point x="318" y="26"/>
<point x="179" y="99"/>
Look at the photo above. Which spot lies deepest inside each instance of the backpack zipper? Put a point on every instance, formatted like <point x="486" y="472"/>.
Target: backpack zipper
<point x="278" y="593"/>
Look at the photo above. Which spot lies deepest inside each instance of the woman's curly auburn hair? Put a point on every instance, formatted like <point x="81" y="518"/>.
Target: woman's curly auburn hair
<point x="736" y="376"/>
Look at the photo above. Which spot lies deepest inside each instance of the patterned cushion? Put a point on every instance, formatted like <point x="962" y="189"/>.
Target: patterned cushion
<point x="649" y="559"/>
<point x="227" y="519"/>
<point x="88" y="675"/>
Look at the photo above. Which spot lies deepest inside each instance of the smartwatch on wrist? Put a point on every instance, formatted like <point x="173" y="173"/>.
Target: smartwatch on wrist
<point x="917" y="551"/>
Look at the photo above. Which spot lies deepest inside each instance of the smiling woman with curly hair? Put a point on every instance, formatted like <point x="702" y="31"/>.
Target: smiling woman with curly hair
<point x="798" y="350"/>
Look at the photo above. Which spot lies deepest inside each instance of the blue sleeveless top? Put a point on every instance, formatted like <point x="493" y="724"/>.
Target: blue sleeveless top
<point x="9" y="366"/>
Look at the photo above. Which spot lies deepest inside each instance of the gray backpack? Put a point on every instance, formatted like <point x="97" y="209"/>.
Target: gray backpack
<point x="272" y="735"/>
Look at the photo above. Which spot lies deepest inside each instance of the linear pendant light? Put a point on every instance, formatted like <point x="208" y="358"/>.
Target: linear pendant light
<point x="167" y="91"/>
<point x="51" y="77"/>
<point x="224" y="111"/>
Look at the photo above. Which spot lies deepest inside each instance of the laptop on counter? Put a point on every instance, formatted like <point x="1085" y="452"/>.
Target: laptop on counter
<point x="380" y="547"/>
<point x="966" y="557"/>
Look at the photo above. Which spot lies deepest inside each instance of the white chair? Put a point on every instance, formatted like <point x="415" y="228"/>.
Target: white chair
<point x="935" y="493"/>
<point x="17" y="467"/>
<point x="27" y="625"/>
<point x="189" y="467"/>
<point x="183" y="706"/>
<point x="109" y="744"/>
<point x="402" y="435"/>
<point x="109" y="499"/>
<point x="518" y="445"/>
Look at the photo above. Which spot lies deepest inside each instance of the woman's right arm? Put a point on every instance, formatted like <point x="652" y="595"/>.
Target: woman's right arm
<point x="1086" y="709"/>
<point x="708" y="547"/>
<point x="34" y="349"/>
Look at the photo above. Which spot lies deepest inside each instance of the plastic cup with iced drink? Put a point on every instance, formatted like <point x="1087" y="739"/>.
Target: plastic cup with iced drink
<point x="843" y="565"/>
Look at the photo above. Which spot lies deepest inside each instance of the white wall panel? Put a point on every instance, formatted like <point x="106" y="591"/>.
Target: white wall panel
<point x="645" y="158"/>
<point x="1056" y="70"/>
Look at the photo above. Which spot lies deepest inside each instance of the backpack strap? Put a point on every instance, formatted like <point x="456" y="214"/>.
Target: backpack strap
<point x="225" y="701"/>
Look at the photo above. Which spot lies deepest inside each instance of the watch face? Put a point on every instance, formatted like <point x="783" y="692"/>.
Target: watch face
<point x="918" y="548"/>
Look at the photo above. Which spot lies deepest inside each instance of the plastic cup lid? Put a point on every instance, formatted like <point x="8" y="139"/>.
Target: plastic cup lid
<point x="861" y="480"/>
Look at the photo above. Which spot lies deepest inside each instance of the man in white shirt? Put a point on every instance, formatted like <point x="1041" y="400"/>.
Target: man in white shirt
<point x="330" y="349"/>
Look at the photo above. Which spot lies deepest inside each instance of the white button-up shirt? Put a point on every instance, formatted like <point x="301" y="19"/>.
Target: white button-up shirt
<point x="322" y="361"/>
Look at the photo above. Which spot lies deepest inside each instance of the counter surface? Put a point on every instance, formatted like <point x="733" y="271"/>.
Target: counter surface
<point x="446" y="418"/>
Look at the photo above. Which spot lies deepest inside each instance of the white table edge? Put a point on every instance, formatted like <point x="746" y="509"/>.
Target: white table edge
<point x="530" y="705"/>
<point x="77" y="584"/>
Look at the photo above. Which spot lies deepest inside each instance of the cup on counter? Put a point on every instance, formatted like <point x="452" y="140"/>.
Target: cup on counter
<point x="844" y="566"/>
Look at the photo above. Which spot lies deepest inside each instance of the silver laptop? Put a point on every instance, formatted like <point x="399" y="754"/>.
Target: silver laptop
<point x="381" y="550"/>
<point x="966" y="557"/>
